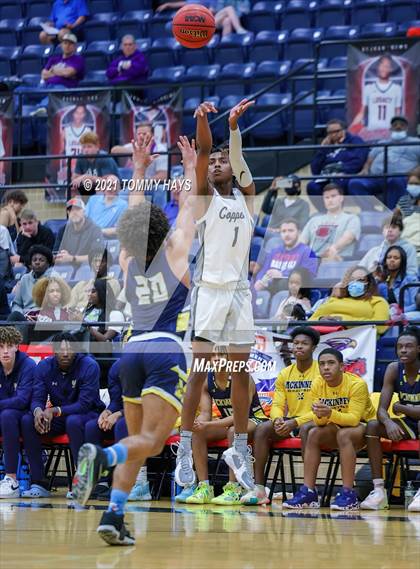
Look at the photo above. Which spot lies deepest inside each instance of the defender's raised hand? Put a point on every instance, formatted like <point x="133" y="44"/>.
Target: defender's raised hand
<point x="205" y="108"/>
<point x="142" y="157"/>
<point x="237" y="111"/>
<point x="188" y="151"/>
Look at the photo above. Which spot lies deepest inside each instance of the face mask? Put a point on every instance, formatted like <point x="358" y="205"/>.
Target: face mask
<point x="293" y="191"/>
<point x="413" y="190"/>
<point x="356" y="289"/>
<point x="398" y="134"/>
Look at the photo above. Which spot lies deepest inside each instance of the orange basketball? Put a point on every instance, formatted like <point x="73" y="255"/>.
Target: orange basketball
<point x="193" y="26"/>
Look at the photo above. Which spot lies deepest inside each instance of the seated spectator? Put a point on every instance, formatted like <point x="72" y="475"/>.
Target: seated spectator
<point x="299" y="296"/>
<point x="227" y="15"/>
<point x="69" y="381"/>
<point x="66" y="16"/>
<point x="331" y="162"/>
<point x="51" y="295"/>
<point x="67" y="69"/>
<point x="96" y="174"/>
<point x="79" y="236"/>
<point x="98" y="262"/>
<point x="289" y="207"/>
<point x="401" y="377"/>
<point x="411" y="233"/>
<point x="410" y="201"/>
<point x="158" y="169"/>
<point x="392" y="229"/>
<point x="101" y="308"/>
<point x="105" y="210"/>
<point x="280" y="262"/>
<point x="131" y="67"/>
<point x="392" y="276"/>
<point x="360" y="300"/>
<point x="340" y="408"/>
<point x="40" y="263"/>
<point x="7" y="258"/>
<point x="32" y="232"/>
<point x="16" y="380"/>
<point x="290" y="410"/>
<point x="332" y="235"/>
<point x="401" y="160"/>
<point x="13" y="203"/>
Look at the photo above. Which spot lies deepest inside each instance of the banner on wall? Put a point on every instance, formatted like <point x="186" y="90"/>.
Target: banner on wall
<point x="6" y="137"/>
<point x="382" y="82"/>
<point x="164" y="115"/>
<point x="69" y="117"/>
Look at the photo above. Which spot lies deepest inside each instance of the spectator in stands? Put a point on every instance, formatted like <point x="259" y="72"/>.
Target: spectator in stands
<point x="360" y="300"/>
<point x="227" y="14"/>
<point x="410" y="201"/>
<point x="96" y="174"/>
<point x="101" y="308"/>
<point x="105" y="210"/>
<point x="98" y="262"/>
<point x="332" y="235"/>
<point x="392" y="229"/>
<point x="79" y="236"/>
<point x="16" y="380"/>
<point x="131" y="67"/>
<point x="13" y="203"/>
<point x="291" y="407"/>
<point x="158" y="169"/>
<point x="32" y="232"/>
<point x="401" y="159"/>
<point x="392" y="276"/>
<point x="66" y="16"/>
<point x="298" y="302"/>
<point x="7" y="258"/>
<point x="340" y="408"/>
<point x="329" y="162"/>
<point x="51" y="295"/>
<point x="280" y="262"/>
<point x="411" y="233"/>
<point x="67" y="69"/>
<point x="70" y="382"/>
<point x="40" y="263"/>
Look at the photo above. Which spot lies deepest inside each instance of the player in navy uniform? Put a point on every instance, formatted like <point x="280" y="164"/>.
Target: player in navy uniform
<point x="402" y="377"/>
<point x="153" y="365"/>
<point x="221" y="298"/>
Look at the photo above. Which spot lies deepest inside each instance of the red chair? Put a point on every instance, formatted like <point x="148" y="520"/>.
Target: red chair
<point x="401" y="452"/>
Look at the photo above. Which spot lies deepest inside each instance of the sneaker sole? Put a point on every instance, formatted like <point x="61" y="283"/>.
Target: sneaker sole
<point x="111" y="536"/>
<point x="373" y="509"/>
<point x="146" y="498"/>
<point x="344" y="508"/>
<point x="180" y="482"/>
<point x="83" y="482"/>
<point x="256" y="502"/>
<point x="311" y="506"/>
<point x="237" y="472"/>
<point x="9" y="496"/>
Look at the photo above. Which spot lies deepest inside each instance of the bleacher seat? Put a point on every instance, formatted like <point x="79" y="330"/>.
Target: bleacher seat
<point x="268" y="44"/>
<point x="256" y="245"/>
<point x="375" y="30"/>
<point x="272" y="128"/>
<point x="11" y="11"/>
<point x="337" y="65"/>
<point x="55" y="225"/>
<point x="113" y="248"/>
<point x="129" y="5"/>
<point x="301" y="42"/>
<point x="10" y="30"/>
<point x="100" y="27"/>
<point x="402" y="28"/>
<point x="30" y="32"/>
<point x="7" y="60"/>
<point x="366" y="242"/>
<point x="233" y="48"/>
<point x="236" y="72"/>
<point x="262" y="304"/>
<point x="263" y="16"/>
<point x="173" y="74"/>
<point x="331" y="13"/>
<point x="304" y="80"/>
<point x="134" y="23"/>
<point x="33" y="59"/>
<point x="366" y="12"/>
<point x="371" y="221"/>
<point x="269" y="71"/>
<point x="400" y="11"/>
<point x="206" y="75"/>
<point x="83" y="273"/>
<point x="333" y="270"/>
<point x="38" y="9"/>
<point x="297" y="14"/>
<point x="64" y="271"/>
<point x="276" y="299"/>
<point x="163" y="53"/>
<point x="337" y="106"/>
<point x="334" y="33"/>
<point x="98" y="54"/>
<point x="114" y="272"/>
<point x="94" y="78"/>
<point x="157" y="26"/>
<point x="101" y="6"/>
<point x="272" y="243"/>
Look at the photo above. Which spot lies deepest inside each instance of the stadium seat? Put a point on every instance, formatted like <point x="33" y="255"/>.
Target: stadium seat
<point x="378" y="31"/>
<point x="114" y="272"/>
<point x="64" y="271"/>
<point x="268" y="43"/>
<point x="10" y="30"/>
<point x="7" y="60"/>
<point x="366" y="242"/>
<point x="263" y="16"/>
<point x="306" y="75"/>
<point x="275" y="302"/>
<point x="402" y="28"/>
<point x="134" y="23"/>
<point x="262" y="304"/>
<point x="338" y="66"/>
<point x="83" y="273"/>
<point x="11" y="11"/>
<point x="272" y="243"/>
<point x="101" y="6"/>
<point x="100" y="27"/>
<point x="38" y="9"/>
<point x="256" y="244"/>
<point x="297" y="14"/>
<point x="129" y="5"/>
<point x="331" y="13"/>
<point x="333" y="270"/>
<point x="269" y="71"/>
<point x="29" y="34"/>
<point x="272" y="128"/>
<point x="173" y="74"/>
<point x="301" y="43"/>
<point x="366" y="12"/>
<point x="98" y="54"/>
<point x="113" y="248"/>
<point x="235" y="72"/>
<point x="335" y="33"/>
<point x="371" y="221"/>
<point x="203" y="56"/>
<point x="163" y="53"/>
<point x="400" y="11"/>
<point x="55" y="225"/>
<point x="157" y="26"/>
<point x="233" y="48"/>
<point x="33" y="59"/>
<point x="206" y="75"/>
<point x="94" y="78"/>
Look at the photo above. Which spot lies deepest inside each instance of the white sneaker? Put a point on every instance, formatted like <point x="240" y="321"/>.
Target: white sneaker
<point x="241" y="466"/>
<point x="9" y="488"/>
<point x="377" y="500"/>
<point x="184" y="471"/>
<point x="414" y="505"/>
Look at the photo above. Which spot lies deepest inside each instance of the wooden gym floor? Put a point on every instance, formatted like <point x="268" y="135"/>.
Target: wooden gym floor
<point x="54" y="534"/>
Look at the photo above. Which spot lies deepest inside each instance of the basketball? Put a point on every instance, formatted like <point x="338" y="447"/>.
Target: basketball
<point x="193" y="26"/>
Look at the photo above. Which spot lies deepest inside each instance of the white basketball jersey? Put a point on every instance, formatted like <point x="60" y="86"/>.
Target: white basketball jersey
<point x="225" y="233"/>
<point x="72" y="137"/>
<point x="381" y="100"/>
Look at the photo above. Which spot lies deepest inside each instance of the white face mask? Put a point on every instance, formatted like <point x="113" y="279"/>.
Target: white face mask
<point x="413" y="190"/>
<point x="398" y="134"/>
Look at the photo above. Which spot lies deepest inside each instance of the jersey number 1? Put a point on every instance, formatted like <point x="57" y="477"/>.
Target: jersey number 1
<point x="235" y="237"/>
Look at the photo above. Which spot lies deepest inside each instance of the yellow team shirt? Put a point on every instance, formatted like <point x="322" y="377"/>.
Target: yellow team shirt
<point x="293" y="388"/>
<point x="350" y="401"/>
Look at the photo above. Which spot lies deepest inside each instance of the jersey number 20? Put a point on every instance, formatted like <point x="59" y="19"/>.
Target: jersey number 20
<point x="151" y="290"/>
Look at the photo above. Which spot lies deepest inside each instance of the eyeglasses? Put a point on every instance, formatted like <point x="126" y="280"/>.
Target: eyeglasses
<point x="334" y="131"/>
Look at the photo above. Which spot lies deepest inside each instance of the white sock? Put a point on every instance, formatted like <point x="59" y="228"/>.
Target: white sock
<point x="185" y="441"/>
<point x="142" y="475"/>
<point x="378" y="483"/>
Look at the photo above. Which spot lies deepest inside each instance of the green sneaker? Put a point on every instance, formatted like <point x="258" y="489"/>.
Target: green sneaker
<point x="203" y="494"/>
<point x="231" y="496"/>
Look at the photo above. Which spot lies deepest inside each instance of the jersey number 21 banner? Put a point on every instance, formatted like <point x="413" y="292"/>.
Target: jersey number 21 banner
<point x="382" y="82"/>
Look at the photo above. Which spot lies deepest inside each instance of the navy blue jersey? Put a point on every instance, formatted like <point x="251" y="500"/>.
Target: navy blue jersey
<point x="76" y="391"/>
<point x="408" y="394"/>
<point x="16" y="388"/>
<point x="156" y="296"/>
<point x="223" y="402"/>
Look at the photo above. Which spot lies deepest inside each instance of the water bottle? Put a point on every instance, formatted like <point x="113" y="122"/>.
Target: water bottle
<point x="23" y="475"/>
<point x="409" y="493"/>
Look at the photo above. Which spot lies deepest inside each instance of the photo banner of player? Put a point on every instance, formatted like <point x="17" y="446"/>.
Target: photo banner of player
<point x="382" y="82"/>
<point x="69" y="117"/>
<point x="6" y="137"/>
<point x="163" y="114"/>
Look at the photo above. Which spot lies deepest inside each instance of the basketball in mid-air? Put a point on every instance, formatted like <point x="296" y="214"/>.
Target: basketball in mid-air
<point x="193" y="26"/>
